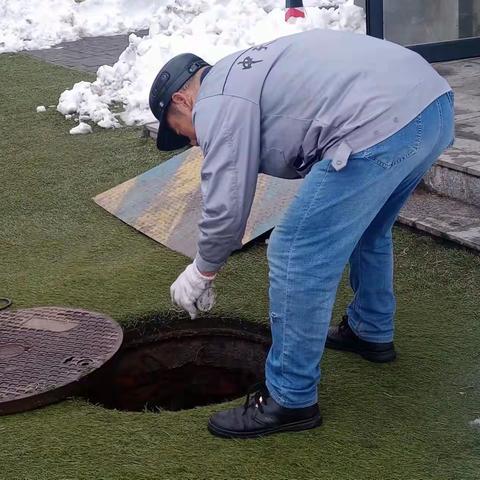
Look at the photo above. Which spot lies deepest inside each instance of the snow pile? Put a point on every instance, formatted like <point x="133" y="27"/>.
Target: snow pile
<point x="81" y="129"/>
<point x="211" y="29"/>
<point x="28" y="25"/>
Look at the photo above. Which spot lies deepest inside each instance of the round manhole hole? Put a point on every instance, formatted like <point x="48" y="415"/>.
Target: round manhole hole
<point x="44" y="352"/>
<point x="182" y="367"/>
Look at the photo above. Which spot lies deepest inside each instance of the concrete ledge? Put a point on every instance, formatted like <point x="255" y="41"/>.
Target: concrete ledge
<point x="454" y="184"/>
<point x="151" y="130"/>
<point x="443" y="217"/>
<point x="457" y="173"/>
<point x="464" y="156"/>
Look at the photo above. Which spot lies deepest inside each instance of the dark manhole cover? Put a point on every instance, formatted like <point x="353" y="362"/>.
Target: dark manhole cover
<point x="182" y="367"/>
<point x="45" y="351"/>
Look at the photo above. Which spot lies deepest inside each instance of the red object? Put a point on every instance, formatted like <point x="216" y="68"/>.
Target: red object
<point x="294" y="13"/>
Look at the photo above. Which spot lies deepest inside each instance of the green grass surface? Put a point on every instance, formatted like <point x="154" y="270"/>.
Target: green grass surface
<point x="408" y="420"/>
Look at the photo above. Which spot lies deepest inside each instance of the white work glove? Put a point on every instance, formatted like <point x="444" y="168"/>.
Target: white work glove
<point x="193" y="291"/>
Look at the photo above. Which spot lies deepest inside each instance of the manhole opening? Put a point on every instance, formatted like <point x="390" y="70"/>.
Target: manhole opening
<point x="181" y="369"/>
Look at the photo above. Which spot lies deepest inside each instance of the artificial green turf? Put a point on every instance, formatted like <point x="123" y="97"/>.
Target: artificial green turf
<point x="407" y="420"/>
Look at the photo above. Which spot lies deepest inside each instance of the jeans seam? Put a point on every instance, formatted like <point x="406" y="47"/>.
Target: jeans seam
<point x="282" y="360"/>
<point x="442" y="118"/>
<point x="356" y="302"/>
<point x="290" y="252"/>
<point x="451" y="97"/>
<point x="440" y="114"/>
<point x="275" y="319"/>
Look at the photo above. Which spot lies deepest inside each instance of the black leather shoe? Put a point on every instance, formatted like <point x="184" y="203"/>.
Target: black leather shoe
<point x="262" y="415"/>
<point x="342" y="337"/>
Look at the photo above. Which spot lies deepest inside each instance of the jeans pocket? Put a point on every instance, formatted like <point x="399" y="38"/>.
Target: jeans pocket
<point x="398" y="147"/>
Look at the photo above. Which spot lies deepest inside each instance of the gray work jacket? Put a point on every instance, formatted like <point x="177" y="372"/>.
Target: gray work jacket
<point x="279" y="107"/>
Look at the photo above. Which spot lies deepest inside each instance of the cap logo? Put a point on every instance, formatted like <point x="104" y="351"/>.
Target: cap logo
<point x="194" y="67"/>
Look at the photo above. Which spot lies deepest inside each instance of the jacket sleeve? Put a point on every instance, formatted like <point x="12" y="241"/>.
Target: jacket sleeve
<point x="228" y="131"/>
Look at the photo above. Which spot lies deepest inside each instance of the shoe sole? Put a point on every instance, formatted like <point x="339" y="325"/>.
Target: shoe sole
<point x="288" y="427"/>
<point x="375" y="357"/>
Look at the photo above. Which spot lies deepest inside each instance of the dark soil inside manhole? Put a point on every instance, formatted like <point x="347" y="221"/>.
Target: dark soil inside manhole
<point x="182" y="367"/>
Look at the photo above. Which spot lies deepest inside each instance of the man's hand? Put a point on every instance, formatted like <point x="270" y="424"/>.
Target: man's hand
<point x="193" y="291"/>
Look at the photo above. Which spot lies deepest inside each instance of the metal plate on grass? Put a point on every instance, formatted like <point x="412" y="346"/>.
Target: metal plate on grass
<point x="165" y="202"/>
<point x="45" y="351"/>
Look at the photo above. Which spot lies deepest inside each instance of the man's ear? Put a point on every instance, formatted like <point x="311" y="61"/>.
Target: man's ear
<point x="180" y="99"/>
<point x="183" y="99"/>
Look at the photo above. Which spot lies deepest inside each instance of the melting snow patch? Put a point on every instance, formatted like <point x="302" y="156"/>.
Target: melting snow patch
<point x="81" y="129"/>
<point x="28" y="25"/>
<point x="41" y="108"/>
<point x="211" y="29"/>
<point x="475" y="423"/>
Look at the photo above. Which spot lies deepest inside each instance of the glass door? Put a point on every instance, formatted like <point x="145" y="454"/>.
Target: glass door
<point x="438" y="29"/>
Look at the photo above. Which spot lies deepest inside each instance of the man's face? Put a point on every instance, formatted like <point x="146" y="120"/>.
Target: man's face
<point x="179" y="116"/>
<point x="182" y="125"/>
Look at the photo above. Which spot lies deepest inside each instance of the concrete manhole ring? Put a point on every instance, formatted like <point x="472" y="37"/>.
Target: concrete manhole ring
<point x="182" y="365"/>
<point x="45" y="351"/>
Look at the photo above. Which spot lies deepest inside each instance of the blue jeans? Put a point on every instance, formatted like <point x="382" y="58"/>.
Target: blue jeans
<point x="338" y="217"/>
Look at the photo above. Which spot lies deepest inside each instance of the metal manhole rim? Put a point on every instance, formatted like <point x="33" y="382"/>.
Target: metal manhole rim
<point x="38" y="397"/>
<point x="5" y="303"/>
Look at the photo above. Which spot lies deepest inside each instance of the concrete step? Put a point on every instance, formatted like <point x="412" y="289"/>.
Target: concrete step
<point x="443" y="217"/>
<point x="457" y="172"/>
<point x="151" y="130"/>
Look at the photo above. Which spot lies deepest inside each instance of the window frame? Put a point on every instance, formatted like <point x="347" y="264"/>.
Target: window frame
<point x="433" y="52"/>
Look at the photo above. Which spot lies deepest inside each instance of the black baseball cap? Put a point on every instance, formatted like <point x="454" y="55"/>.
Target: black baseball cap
<point x="169" y="80"/>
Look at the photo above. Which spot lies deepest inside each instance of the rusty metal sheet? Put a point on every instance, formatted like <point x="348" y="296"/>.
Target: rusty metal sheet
<point x="45" y="351"/>
<point x="165" y="202"/>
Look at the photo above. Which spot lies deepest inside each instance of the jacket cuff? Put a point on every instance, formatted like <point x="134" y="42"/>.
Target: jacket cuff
<point x="208" y="267"/>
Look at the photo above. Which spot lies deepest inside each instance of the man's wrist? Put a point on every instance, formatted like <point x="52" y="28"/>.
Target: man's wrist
<point x="208" y="274"/>
<point x="206" y="268"/>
